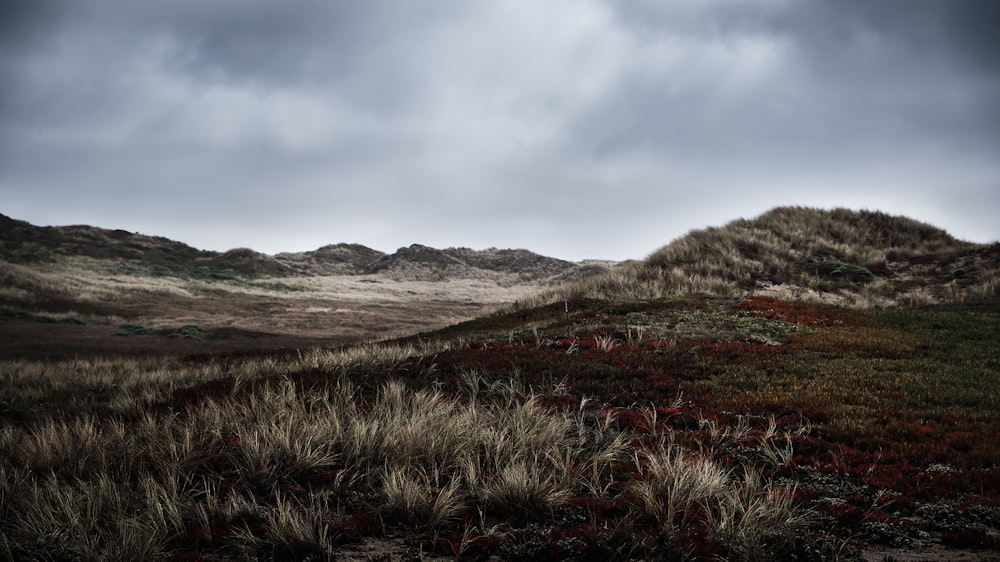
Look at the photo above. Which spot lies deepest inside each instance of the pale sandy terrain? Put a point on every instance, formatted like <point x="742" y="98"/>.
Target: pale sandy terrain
<point x="240" y="314"/>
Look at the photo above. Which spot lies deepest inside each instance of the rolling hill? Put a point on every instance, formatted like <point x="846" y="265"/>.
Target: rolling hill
<point x="24" y="243"/>
<point x="855" y="258"/>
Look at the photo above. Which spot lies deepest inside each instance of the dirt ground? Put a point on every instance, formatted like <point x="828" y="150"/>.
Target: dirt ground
<point x="929" y="553"/>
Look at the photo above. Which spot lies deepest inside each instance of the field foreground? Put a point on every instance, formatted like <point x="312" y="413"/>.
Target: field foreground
<point x="684" y="428"/>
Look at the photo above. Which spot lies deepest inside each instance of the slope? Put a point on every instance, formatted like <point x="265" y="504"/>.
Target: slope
<point x="857" y="258"/>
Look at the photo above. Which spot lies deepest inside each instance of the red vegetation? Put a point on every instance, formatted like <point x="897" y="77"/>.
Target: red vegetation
<point x="863" y="456"/>
<point x="798" y="312"/>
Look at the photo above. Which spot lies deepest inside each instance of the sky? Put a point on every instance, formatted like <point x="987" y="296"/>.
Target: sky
<point x="573" y="128"/>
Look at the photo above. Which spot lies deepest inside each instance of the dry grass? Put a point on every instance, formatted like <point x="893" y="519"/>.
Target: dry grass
<point x="675" y="485"/>
<point x="127" y="387"/>
<point x="271" y="467"/>
<point x="38" y="302"/>
<point x="751" y="514"/>
<point x="100" y="281"/>
<point x="855" y="258"/>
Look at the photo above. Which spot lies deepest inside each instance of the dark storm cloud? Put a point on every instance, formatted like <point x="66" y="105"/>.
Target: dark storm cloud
<point x="825" y="70"/>
<point x="24" y="22"/>
<point x="975" y="33"/>
<point x="793" y="94"/>
<point x="927" y="39"/>
<point x="574" y="128"/>
<point x="960" y="31"/>
<point x="24" y="25"/>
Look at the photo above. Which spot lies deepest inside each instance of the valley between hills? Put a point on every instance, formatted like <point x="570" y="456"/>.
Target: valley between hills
<point x="81" y="290"/>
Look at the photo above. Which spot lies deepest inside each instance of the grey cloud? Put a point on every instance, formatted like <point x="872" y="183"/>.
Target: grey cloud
<point x="975" y="33"/>
<point x="274" y="45"/>
<point x="849" y="77"/>
<point x="583" y="129"/>
<point x="25" y="23"/>
<point x="962" y="32"/>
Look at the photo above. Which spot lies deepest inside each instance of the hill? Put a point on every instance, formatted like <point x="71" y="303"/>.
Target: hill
<point x="70" y="290"/>
<point x="509" y="267"/>
<point x="333" y="259"/>
<point x="24" y="243"/>
<point x="27" y="244"/>
<point x="855" y="258"/>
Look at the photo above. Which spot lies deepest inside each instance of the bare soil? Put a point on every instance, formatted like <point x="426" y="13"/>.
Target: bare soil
<point x="926" y="553"/>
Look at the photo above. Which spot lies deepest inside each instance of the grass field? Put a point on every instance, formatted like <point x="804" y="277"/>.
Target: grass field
<point x="683" y="428"/>
<point x="78" y="306"/>
<point x="806" y="385"/>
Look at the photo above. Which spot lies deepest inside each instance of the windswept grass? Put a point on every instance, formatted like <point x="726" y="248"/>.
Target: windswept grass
<point x="856" y="258"/>
<point x="692" y="428"/>
<point x="127" y="387"/>
<point x="275" y="467"/>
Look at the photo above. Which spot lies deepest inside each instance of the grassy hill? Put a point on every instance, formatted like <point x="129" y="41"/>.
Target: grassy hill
<point x="855" y="258"/>
<point x="131" y="253"/>
<point x="26" y="244"/>
<point x="645" y="423"/>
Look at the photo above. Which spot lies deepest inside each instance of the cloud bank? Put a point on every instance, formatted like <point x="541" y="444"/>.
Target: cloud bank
<point x="578" y="129"/>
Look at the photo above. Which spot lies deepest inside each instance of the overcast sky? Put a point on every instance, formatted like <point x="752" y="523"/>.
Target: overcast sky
<point x="573" y="128"/>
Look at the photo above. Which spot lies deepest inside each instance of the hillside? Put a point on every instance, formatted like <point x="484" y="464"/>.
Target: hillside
<point x="27" y="244"/>
<point x="333" y="259"/>
<point x="690" y="428"/>
<point x="250" y="417"/>
<point x="24" y="243"/>
<point x="855" y="258"/>
<point x="70" y="290"/>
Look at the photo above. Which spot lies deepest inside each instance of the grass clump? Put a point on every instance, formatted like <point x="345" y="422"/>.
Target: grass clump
<point x="14" y="313"/>
<point x="838" y="270"/>
<point x="184" y="332"/>
<point x="134" y="330"/>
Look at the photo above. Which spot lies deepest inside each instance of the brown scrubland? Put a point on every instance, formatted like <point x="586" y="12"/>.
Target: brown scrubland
<point x="804" y="385"/>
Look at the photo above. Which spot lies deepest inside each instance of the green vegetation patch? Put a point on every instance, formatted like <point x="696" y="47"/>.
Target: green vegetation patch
<point x="711" y="326"/>
<point x="837" y="270"/>
<point x="16" y="251"/>
<point x="134" y="330"/>
<point x="275" y="286"/>
<point x="184" y="332"/>
<point x="14" y="313"/>
<point x="177" y="270"/>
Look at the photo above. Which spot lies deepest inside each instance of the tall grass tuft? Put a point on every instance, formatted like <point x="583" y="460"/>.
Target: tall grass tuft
<point x="674" y="488"/>
<point x="756" y="521"/>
